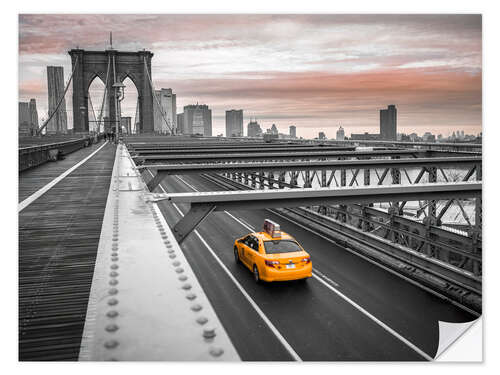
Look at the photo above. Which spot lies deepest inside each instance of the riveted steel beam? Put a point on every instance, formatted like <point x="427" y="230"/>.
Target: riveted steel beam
<point x="300" y="165"/>
<point x="280" y="155"/>
<point x="202" y="203"/>
<point x="235" y="149"/>
<point x="301" y="197"/>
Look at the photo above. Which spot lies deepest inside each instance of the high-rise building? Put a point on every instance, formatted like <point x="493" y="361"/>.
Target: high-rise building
<point x="24" y="119"/>
<point x="340" y="134"/>
<point x="55" y="84"/>
<point x="293" y="131"/>
<point x="321" y="135"/>
<point x="254" y="129"/>
<point x="198" y="120"/>
<point x="33" y="116"/>
<point x="429" y="137"/>
<point x="274" y="130"/>
<point x="168" y="102"/>
<point x="388" y="123"/>
<point x="180" y="123"/>
<point x="234" y="123"/>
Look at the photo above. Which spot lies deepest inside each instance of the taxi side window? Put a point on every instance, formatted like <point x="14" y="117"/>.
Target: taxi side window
<point x="246" y="240"/>
<point x="254" y="243"/>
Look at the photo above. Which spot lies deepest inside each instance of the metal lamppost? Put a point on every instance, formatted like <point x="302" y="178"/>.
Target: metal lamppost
<point x="119" y="95"/>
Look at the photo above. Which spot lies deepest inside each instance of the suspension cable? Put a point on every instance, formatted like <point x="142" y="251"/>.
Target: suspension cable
<point x="136" y="113"/>
<point x="60" y="100"/>
<point x="156" y="98"/>
<point x="103" y="97"/>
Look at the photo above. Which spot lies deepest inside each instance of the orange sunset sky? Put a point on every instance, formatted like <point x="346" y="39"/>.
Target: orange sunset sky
<point x="313" y="71"/>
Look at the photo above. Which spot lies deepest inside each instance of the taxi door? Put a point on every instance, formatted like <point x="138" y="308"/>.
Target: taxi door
<point x="245" y="250"/>
<point x="253" y="251"/>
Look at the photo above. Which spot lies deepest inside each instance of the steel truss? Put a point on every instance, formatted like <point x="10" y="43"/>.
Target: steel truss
<point x="423" y="228"/>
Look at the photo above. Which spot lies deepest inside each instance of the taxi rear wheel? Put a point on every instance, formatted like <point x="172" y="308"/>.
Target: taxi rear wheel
<point x="236" y="255"/>
<point x="256" y="275"/>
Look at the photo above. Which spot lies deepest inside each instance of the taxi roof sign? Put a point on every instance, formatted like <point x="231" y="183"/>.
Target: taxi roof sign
<point x="272" y="228"/>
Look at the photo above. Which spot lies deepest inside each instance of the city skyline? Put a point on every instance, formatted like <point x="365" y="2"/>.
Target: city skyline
<point x="313" y="71"/>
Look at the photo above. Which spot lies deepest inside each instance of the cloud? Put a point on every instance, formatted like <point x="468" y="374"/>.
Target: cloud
<point x="314" y="70"/>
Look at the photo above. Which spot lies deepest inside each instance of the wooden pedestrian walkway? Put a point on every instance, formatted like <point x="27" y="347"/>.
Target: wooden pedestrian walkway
<point x="58" y="240"/>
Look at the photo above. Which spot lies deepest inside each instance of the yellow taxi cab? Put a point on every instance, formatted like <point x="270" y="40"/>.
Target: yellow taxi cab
<point x="273" y="255"/>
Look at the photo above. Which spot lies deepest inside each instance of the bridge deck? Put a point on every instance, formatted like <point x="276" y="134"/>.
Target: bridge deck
<point x="33" y="179"/>
<point x="58" y="240"/>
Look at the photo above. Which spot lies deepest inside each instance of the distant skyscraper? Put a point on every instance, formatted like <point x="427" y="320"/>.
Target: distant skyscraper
<point x="180" y="123"/>
<point x="254" y="129"/>
<point x="55" y="84"/>
<point x="429" y="137"/>
<point x="274" y="130"/>
<point x="293" y="131"/>
<point x="197" y="120"/>
<point x="33" y="116"/>
<point x="321" y="135"/>
<point x="234" y="123"/>
<point x="388" y="123"/>
<point x="340" y="134"/>
<point x="24" y="119"/>
<point x="168" y="102"/>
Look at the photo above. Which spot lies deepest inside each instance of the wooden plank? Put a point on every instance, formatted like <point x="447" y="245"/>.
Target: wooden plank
<point x="58" y="240"/>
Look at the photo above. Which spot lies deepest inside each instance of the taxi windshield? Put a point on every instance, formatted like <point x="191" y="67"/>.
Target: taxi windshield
<point x="281" y="246"/>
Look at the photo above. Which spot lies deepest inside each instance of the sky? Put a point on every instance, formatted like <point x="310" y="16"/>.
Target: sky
<point x="317" y="72"/>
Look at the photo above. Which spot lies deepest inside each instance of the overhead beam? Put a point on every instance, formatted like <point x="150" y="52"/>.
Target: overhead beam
<point x="236" y="150"/>
<point x="203" y="203"/>
<point x="283" y="155"/>
<point x="179" y="169"/>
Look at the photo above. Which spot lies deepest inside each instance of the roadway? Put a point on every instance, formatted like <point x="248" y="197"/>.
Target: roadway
<point x="350" y="310"/>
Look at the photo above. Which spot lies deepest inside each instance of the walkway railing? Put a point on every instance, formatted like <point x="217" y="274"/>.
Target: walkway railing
<point x="33" y="156"/>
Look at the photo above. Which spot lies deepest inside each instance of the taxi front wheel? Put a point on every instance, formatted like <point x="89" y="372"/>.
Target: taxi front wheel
<point x="256" y="275"/>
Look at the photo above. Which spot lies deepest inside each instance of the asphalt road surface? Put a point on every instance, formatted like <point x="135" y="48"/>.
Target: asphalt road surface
<point x="350" y="310"/>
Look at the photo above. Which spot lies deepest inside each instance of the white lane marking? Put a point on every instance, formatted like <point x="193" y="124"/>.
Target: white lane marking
<point x="411" y="281"/>
<point x="263" y="316"/>
<point x="359" y="308"/>
<point x="187" y="183"/>
<point x="246" y="225"/>
<point x="33" y="197"/>
<point x="326" y="278"/>
<point x="373" y="318"/>
<point x="351" y="302"/>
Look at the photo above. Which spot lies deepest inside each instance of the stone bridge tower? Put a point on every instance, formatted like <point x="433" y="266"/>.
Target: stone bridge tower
<point x="92" y="64"/>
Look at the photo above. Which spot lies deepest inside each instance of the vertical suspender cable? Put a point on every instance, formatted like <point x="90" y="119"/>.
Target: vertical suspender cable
<point x="136" y="113"/>
<point x="60" y="100"/>
<point x="103" y="98"/>
<point x="156" y="98"/>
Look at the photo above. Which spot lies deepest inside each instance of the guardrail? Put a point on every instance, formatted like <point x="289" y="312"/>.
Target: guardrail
<point x="33" y="156"/>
